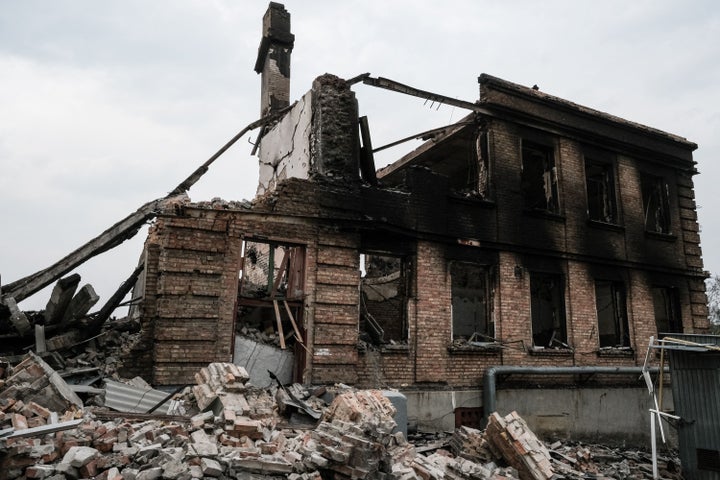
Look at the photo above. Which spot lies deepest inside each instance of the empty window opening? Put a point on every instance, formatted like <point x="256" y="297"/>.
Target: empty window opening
<point x="600" y="181"/>
<point x="667" y="311"/>
<point x="383" y="299"/>
<point x="655" y="204"/>
<point x="539" y="178"/>
<point x="547" y="307"/>
<point x="468" y="171"/>
<point x="471" y="312"/>
<point x="611" y="314"/>
<point x="270" y="296"/>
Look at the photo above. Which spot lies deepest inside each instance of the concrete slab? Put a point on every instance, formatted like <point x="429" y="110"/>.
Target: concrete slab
<point x="257" y="359"/>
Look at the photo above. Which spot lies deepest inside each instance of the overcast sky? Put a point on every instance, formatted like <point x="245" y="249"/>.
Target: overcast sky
<point x="105" y="105"/>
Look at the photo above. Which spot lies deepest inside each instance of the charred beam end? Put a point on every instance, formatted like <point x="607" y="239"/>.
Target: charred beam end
<point x="357" y="79"/>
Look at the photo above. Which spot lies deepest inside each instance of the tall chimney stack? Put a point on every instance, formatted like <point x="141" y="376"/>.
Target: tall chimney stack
<point x="273" y="60"/>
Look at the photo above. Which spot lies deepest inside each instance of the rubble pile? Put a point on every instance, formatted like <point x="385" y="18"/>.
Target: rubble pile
<point x="579" y="461"/>
<point x="240" y="431"/>
<point x="265" y="337"/>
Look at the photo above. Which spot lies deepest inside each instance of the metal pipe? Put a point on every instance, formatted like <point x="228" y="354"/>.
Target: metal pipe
<point x="490" y="383"/>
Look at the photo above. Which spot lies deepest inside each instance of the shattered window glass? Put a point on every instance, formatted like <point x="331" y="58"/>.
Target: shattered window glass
<point x="547" y="308"/>
<point x="655" y="203"/>
<point x="539" y="178"/>
<point x="599" y="178"/>
<point x="611" y="314"/>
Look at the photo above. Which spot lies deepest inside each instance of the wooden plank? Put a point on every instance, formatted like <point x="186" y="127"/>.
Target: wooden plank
<point x="292" y="321"/>
<point x="279" y="324"/>
<point x="281" y="271"/>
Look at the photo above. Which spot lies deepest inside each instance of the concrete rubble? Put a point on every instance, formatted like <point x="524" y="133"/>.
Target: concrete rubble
<point x="236" y="430"/>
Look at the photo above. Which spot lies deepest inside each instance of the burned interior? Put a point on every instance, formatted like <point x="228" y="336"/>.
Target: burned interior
<point x="539" y="177"/>
<point x="471" y="302"/>
<point x="384" y="291"/>
<point x="271" y="290"/>
<point x="533" y="232"/>
<point x="600" y="184"/>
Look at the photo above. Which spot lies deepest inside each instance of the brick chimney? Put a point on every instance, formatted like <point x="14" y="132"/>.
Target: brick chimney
<point x="273" y="60"/>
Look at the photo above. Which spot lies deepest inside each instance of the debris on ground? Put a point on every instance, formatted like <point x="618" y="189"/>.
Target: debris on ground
<point x="232" y="429"/>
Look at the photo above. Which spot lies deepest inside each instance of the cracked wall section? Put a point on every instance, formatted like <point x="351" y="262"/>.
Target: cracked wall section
<point x="285" y="149"/>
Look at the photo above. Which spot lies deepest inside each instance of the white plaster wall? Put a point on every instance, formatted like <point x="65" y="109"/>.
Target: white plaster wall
<point x="285" y="149"/>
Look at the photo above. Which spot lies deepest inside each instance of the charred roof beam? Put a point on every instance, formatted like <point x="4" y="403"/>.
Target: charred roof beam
<point x="388" y="84"/>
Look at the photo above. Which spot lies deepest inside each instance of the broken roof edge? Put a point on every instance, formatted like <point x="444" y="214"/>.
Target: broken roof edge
<point x="408" y="158"/>
<point x="558" y="102"/>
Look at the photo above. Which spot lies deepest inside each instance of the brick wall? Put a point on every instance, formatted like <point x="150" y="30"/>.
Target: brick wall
<point x="193" y="256"/>
<point x="336" y="301"/>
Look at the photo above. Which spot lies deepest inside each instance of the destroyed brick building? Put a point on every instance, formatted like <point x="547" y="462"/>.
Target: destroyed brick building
<point x="534" y="232"/>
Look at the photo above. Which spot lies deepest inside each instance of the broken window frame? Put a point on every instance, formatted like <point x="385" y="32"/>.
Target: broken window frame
<point x="600" y="191"/>
<point x="552" y="286"/>
<point x="283" y="280"/>
<point x="283" y="295"/>
<point x="478" y="176"/>
<point x="371" y="329"/>
<point x="612" y="316"/>
<point x="656" y="203"/>
<point x="484" y="335"/>
<point x="666" y="307"/>
<point x="539" y="177"/>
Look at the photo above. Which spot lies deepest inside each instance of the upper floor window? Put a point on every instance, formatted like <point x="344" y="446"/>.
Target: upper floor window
<point x="655" y="203"/>
<point x="547" y="309"/>
<point x="611" y="314"/>
<point x="539" y="177"/>
<point x="667" y="312"/>
<point x="468" y="173"/>
<point x="470" y="301"/>
<point x="600" y="181"/>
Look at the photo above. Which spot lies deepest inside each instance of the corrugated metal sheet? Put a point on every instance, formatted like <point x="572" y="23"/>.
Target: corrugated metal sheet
<point x="696" y="395"/>
<point x="126" y="398"/>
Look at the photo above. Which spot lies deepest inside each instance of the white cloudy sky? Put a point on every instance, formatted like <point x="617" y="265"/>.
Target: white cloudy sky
<point x="105" y="105"/>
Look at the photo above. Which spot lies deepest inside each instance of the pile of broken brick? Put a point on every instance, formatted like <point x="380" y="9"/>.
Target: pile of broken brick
<point x="235" y="430"/>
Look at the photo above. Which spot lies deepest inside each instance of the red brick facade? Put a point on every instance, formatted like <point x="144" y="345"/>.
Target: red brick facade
<point x="193" y="254"/>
